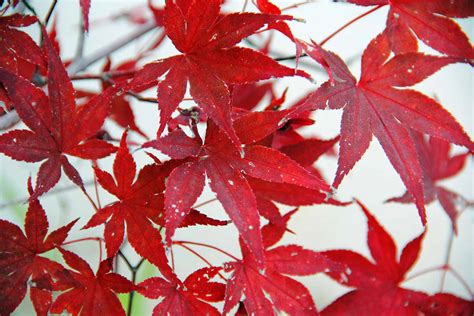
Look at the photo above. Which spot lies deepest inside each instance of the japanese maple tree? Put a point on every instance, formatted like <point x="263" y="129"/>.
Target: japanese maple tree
<point x="198" y="209"/>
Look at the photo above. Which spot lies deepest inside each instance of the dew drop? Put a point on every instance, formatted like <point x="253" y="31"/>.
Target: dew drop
<point x="344" y="278"/>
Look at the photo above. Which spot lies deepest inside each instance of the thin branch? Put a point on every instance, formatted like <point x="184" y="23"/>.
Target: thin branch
<point x="462" y="281"/>
<point x="50" y="12"/>
<point x="294" y="57"/>
<point x="96" y="188"/>
<point x="201" y="257"/>
<point x="90" y="200"/>
<point x="447" y="258"/>
<point x="296" y="5"/>
<point x="81" y="40"/>
<point x="83" y="63"/>
<point x="132" y="293"/>
<point x="81" y="240"/>
<point x="244" y="7"/>
<point x="423" y="272"/>
<point x="104" y="76"/>
<point x="324" y="41"/>
<point x="328" y="38"/>
<point x="31" y="9"/>
<point x="129" y="265"/>
<point x="52" y="192"/>
<point x="207" y="246"/>
<point x="204" y="203"/>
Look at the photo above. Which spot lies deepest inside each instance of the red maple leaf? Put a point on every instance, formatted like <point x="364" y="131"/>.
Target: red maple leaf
<point x="430" y="21"/>
<point x="20" y="260"/>
<point x="437" y="164"/>
<point x="227" y="171"/>
<point x="58" y="128"/>
<point x="304" y="151"/>
<point x="375" y="105"/>
<point x="377" y="283"/>
<point x="140" y="203"/>
<point x="19" y="54"/>
<point x="277" y="224"/>
<point x="185" y="298"/>
<point x="210" y="61"/>
<point x="266" y="6"/>
<point x="87" y="293"/>
<point x="264" y="292"/>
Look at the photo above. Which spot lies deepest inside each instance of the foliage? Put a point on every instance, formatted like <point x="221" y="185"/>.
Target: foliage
<point x="254" y="161"/>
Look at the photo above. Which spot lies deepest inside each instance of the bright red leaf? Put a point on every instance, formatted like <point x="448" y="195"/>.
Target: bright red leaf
<point x="375" y="105"/>
<point x="430" y="21"/>
<point x="210" y="61"/>
<point x="377" y="284"/>
<point x="264" y="291"/>
<point x="140" y="204"/>
<point x="89" y="294"/>
<point x="185" y="298"/>
<point x="228" y="172"/>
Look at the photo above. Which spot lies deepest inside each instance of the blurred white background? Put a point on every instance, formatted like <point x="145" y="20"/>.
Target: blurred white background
<point x="320" y="227"/>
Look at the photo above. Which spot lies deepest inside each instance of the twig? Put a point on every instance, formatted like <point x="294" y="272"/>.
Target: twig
<point x="133" y="269"/>
<point x="244" y="7"/>
<point x="201" y="257"/>
<point x="207" y="246"/>
<point x="31" y="9"/>
<point x="447" y="259"/>
<point x="132" y="293"/>
<point x="129" y="265"/>
<point x="324" y="41"/>
<point x="90" y="200"/>
<point x="328" y="38"/>
<point x="96" y="188"/>
<point x="82" y="239"/>
<point x="204" y="203"/>
<point x="52" y="192"/>
<point x="81" y="40"/>
<point x="84" y="62"/>
<point x="98" y="239"/>
<point x="50" y="12"/>
<point x="462" y="281"/>
<point x="296" y="5"/>
<point x="418" y="274"/>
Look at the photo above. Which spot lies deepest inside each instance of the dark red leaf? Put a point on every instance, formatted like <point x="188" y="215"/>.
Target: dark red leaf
<point x="88" y="293"/>
<point x="20" y="260"/>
